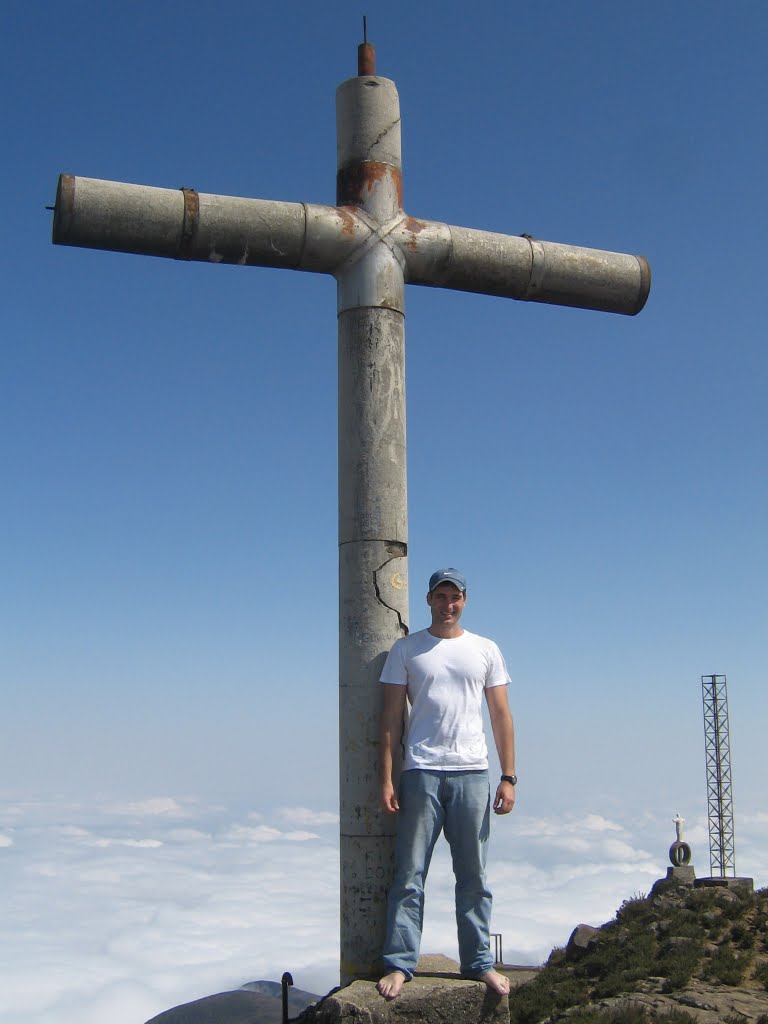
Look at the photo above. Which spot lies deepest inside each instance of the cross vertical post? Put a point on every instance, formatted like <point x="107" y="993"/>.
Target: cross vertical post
<point x="373" y="248"/>
<point x="373" y="516"/>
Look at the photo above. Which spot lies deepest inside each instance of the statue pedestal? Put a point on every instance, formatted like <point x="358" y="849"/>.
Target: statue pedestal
<point x="684" y="873"/>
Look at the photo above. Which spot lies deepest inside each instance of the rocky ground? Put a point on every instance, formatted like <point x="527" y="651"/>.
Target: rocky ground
<point x="680" y="954"/>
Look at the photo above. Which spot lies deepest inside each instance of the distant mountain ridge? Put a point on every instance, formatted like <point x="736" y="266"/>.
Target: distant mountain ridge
<point x="257" y="1002"/>
<point x="275" y="989"/>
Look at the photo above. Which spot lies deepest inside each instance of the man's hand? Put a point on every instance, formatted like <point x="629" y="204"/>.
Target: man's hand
<point x="393" y="699"/>
<point x="505" y="798"/>
<point x="504" y="735"/>
<point x="389" y="802"/>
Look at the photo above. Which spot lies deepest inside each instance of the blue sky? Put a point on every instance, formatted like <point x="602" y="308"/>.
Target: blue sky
<point x="168" y="599"/>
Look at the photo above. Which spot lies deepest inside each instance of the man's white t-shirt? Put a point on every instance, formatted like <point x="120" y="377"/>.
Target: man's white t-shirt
<point x="446" y="680"/>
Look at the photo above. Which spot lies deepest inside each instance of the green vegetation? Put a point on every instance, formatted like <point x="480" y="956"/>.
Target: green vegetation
<point x="761" y="975"/>
<point x="726" y="967"/>
<point x="630" y="1014"/>
<point x="660" y="943"/>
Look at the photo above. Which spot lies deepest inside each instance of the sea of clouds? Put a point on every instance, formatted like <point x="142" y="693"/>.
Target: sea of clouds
<point x="117" y="911"/>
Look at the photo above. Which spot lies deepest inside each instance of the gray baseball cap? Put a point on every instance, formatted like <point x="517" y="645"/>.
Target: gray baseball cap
<point x="447" y="576"/>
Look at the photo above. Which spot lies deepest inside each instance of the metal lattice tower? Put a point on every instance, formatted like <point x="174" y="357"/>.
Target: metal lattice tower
<point x="714" y="693"/>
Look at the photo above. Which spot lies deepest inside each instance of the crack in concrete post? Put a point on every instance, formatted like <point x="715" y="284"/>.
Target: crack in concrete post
<point x="397" y="549"/>
<point x="384" y="132"/>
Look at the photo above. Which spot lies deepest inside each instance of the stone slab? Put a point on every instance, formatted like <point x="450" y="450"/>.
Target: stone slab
<point x="426" y="999"/>
<point x="437" y="994"/>
<point x="726" y="883"/>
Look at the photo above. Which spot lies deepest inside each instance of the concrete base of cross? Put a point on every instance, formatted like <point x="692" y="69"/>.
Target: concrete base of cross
<point x="437" y="993"/>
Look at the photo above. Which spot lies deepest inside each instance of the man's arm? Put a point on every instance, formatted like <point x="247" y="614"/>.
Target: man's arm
<point x="504" y="735"/>
<point x="390" y="735"/>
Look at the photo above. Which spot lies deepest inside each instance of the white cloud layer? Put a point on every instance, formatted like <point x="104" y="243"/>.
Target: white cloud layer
<point x="305" y="816"/>
<point x="265" y="834"/>
<point x="118" y="912"/>
<point x="153" y="807"/>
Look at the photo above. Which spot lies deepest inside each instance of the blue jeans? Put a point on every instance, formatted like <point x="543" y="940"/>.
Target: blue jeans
<point x="457" y="803"/>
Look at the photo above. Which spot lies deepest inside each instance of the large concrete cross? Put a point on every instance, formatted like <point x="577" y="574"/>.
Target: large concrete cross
<point x="372" y="247"/>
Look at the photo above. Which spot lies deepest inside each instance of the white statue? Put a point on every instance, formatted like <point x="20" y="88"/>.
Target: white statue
<point x="679" y="822"/>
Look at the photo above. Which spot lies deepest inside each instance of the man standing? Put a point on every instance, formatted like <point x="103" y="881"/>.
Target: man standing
<point x="444" y="671"/>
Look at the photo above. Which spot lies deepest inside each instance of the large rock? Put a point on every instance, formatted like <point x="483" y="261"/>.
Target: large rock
<point x="424" y="999"/>
<point x="583" y="938"/>
<point x="436" y="995"/>
<point x="706" y="1004"/>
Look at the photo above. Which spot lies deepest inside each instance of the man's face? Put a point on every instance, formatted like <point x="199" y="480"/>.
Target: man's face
<point x="447" y="603"/>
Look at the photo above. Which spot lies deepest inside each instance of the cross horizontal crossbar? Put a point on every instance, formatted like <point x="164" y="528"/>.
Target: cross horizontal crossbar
<point x="187" y="225"/>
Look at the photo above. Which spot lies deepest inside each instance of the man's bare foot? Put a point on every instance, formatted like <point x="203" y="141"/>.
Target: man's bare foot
<point x="389" y="986"/>
<point x="496" y="982"/>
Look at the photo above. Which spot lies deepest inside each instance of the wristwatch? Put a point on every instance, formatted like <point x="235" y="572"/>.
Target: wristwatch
<point x="511" y="779"/>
